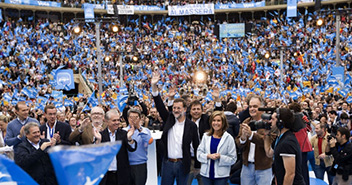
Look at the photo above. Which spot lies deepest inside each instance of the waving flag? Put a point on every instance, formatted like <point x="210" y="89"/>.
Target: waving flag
<point x="83" y="164"/>
<point x="10" y="173"/>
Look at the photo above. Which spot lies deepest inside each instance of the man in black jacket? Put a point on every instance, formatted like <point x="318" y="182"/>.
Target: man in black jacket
<point x="53" y="128"/>
<point x="341" y="150"/>
<point x="31" y="155"/>
<point x="178" y="134"/>
<point x="119" y="170"/>
<point x="202" y="122"/>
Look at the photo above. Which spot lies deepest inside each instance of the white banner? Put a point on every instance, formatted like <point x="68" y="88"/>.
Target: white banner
<point x="110" y="9"/>
<point x="191" y="9"/>
<point x="125" y="10"/>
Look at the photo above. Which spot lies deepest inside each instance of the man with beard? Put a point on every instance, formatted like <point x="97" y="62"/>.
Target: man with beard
<point x="85" y="133"/>
<point x="178" y="134"/>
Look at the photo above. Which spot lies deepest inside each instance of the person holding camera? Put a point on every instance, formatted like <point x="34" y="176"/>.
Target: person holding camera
<point x="323" y="162"/>
<point x="285" y="149"/>
<point x="341" y="149"/>
<point x="256" y="167"/>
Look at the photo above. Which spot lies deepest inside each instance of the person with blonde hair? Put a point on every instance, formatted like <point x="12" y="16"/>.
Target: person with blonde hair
<point x="4" y="149"/>
<point x="217" y="151"/>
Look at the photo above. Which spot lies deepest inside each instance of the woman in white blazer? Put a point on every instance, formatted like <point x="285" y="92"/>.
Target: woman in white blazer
<point x="217" y="151"/>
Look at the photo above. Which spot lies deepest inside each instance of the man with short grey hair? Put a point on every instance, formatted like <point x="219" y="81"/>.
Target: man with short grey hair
<point x="31" y="155"/>
<point x="119" y="169"/>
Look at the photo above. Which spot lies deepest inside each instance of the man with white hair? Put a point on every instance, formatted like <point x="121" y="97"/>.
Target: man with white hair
<point x="85" y="133"/>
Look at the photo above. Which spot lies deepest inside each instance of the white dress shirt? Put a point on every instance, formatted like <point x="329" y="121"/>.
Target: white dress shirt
<point x="174" y="140"/>
<point x="113" y="164"/>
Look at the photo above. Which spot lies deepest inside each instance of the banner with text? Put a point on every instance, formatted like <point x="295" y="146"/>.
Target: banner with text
<point x="239" y="5"/>
<point x="110" y="9"/>
<point x="191" y="9"/>
<point x="148" y="8"/>
<point x="88" y="12"/>
<point x="291" y="8"/>
<point x="34" y="3"/>
<point x="125" y="10"/>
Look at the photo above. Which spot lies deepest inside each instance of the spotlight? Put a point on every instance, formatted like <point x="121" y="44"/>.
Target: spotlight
<point x="107" y="58"/>
<point x="320" y="22"/>
<point x="267" y="55"/>
<point x="114" y="28"/>
<point x="135" y="58"/>
<point x="200" y="76"/>
<point x="77" y="30"/>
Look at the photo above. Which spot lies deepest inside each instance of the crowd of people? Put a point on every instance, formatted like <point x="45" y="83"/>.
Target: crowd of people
<point x="239" y="79"/>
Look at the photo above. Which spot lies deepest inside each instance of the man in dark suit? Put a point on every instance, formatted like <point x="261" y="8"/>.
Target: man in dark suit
<point x="31" y="155"/>
<point x="178" y="134"/>
<point x="234" y="122"/>
<point x="119" y="170"/>
<point x="202" y="122"/>
<point x="54" y="128"/>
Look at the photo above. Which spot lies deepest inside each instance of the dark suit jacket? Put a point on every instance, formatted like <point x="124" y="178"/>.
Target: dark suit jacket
<point x="123" y="165"/>
<point x="234" y="124"/>
<point x="203" y="126"/>
<point x="64" y="131"/>
<point x="190" y="135"/>
<point x="35" y="162"/>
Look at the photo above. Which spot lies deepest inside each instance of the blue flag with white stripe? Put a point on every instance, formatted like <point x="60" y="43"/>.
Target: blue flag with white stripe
<point x="83" y="164"/>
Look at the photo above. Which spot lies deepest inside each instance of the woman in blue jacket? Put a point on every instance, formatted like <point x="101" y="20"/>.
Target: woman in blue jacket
<point x="217" y="151"/>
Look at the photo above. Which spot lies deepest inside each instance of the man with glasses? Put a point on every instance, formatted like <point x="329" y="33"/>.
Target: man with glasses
<point x="54" y="128"/>
<point x="138" y="159"/>
<point x="86" y="132"/>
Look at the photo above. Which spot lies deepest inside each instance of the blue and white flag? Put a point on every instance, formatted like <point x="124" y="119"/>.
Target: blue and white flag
<point x="88" y="12"/>
<point x="291" y="8"/>
<point x="338" y="73"/>
<point x="64" y="79"/>
<point x="10" y="173"/>
<point x="83" y="164"/>
<point x="121" y="102"/>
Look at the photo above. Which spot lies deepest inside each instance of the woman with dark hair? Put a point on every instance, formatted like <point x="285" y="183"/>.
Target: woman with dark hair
<point x="217" y="151"/>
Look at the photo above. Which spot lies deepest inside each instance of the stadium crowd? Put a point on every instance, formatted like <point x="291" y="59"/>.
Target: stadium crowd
<point x="235" y="70"/>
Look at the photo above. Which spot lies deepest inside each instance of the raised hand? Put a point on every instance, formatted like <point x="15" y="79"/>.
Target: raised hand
<point x="97" y="135"/>
<point x="53" y="141"/>
<point x="216" y="92"/>
<point x="42" y="136"/>
<point x="45" y="145"/>
<point x="155" y="78"/>
<point x="57" y="137"/>
<point x="85" y="122"/>
<point x="172" y="92"/>
<point x="130" y="132"/>
<point x="22" y="132"/>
